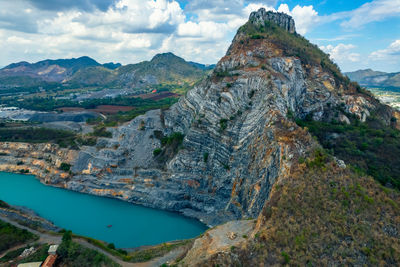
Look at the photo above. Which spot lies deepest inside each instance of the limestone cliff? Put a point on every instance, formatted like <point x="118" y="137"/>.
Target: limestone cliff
<point x="230" y="149"/>
<point x="237" y="126"/>
<point x="239" y="134"/>
<point x="41" y="160"/>
<point x="283" y="20"/>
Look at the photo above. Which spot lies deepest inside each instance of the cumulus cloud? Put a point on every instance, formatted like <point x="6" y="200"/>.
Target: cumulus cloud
<point x="220" y="9"/>
<point x="374" y="11"/>
<point x="390" y="53"/>
<point x="208" y="29"/>
<point x="305" y="17"/>
<point x="342" y="53"/>
<point x="133" y="30"/>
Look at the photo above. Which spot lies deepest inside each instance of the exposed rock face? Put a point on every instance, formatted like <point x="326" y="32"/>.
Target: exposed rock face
<point x="222" y="239"/>
<point x="281" y="19"/>
<point x="41" y="160"/>
<point x="239" y="134"/>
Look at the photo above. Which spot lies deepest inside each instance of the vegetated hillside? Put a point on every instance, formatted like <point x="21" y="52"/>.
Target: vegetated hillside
<point x="322" y="215"/>
<point x="371" y="147"/>
<point x="372" y="78"/>
<point x="359" y="75"/>
<point x="320" y="210"/>
<point x="164" y="68"/>
<point x="48" y="70"/>
<point x="93" y="76"/>
<point x="11" y="236"/>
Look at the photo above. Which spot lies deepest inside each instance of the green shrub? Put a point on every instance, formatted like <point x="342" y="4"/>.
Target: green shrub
<point x="205" y="156"/>
<point x="157" y="152"/>
<point x="37" y="135"/>
<point x="170" y="146"/>
<point x="286" y="257"/>
<point x="74" y="254"/>
<point x="65" y="167"/>
<point x="223" y="124"/>
<point x="226" y="167"/>
<point x="101" y="131"/>
<point x="4" y="204"/>
<point x="11" y="236"/>
<point x="257" y="36"/>
<point x="175" y="137"/>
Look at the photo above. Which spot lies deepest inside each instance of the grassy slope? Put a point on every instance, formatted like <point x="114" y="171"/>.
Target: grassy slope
<point x="167" y="68"/>
<point x="74" y="254"/>
<point x="323" y="215"/>
<point x="96" y="76"/>
<point x="326" y="215"/>
<point x="11" y="236"/>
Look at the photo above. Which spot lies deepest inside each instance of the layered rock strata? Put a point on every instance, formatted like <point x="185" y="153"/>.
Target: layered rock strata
<point x="238" y="133"/>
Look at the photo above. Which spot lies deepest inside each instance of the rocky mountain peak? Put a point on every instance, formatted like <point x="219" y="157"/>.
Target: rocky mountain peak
<point x="258" y="18"/>
<point x="231" y="137"/>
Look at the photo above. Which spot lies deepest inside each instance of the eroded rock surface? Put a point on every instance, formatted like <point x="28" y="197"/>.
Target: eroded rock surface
<point x="281" y="19"/>
<point x="239" y="134"/>
<point x="223" y="239"/>
<point x="41" y="160"/>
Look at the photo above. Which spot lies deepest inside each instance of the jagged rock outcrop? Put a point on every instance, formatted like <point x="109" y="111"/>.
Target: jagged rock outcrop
<point x="281" y="19"/>
<point x="236" y="125"/>
<point x="243" y="156"/>
<point x="239" y="134"/>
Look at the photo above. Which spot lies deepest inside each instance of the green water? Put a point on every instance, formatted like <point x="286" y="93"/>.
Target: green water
<point x="89" y="215"/>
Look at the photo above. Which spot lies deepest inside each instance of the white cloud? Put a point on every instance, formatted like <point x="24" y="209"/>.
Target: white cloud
<point x="390" y="53"/>
<point x="342" y="53"/>
<point x="373" y="11"/>
<point x="305" y="17"/>
<point x="207" y="29"/>
<point x="18" y="40"/>
<point x="132" y="30"/>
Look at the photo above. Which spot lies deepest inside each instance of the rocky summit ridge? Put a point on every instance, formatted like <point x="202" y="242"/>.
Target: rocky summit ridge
<point x="230" y="149"/>
<point x="283" y="20"/>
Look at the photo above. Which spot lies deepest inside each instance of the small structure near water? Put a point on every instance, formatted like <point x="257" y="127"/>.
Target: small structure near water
<point x="49" y="262"/>
<point x="53" y="250"/>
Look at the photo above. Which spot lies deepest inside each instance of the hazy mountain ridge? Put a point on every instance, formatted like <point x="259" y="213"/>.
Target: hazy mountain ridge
<point x="85" y="71"/>
<point x="371" y="78"/>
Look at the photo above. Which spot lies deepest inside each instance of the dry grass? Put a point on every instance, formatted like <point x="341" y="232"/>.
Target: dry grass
<point x="324" y="215"/>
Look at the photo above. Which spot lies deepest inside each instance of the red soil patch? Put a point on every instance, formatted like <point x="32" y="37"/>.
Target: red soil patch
<point x="158" y="96"/>
<point x="105" y="109"/>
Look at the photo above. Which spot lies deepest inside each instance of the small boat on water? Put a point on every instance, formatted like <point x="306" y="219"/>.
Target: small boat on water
<point x="109" y="226"/>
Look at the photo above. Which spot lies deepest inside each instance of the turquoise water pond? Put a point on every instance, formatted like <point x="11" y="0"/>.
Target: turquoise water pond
<point x="89" y="215"/>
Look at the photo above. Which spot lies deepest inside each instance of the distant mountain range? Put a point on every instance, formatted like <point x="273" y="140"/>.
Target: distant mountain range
<point x="85" y="71"/>
<point x="371" y="78"/>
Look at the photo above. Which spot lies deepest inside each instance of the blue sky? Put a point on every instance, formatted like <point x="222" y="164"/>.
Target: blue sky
<point x="357" y="34"/>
